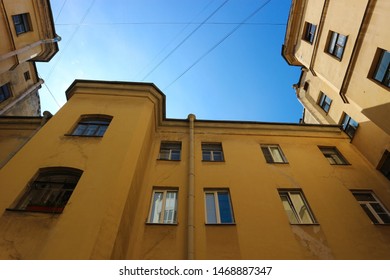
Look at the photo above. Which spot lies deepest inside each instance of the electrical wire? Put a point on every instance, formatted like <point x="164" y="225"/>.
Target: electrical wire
<point x="176" y="36"/>
<point x="185" y="39"/>
<point x="219" y="42"/>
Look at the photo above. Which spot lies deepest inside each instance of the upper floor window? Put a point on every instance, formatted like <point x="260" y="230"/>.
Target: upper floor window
<point x="27" y="75"/>
<point x="273" y="154"/>
<point x="309" y="32"/>
<point x="382" y="68"/>
<point x="296" y="207"/>
<point x="212" y="152"/>
<point x="218" y="207"/>
<point x="21" y="23"/>
<point x="336" y="44"/>
<point x="324" y="101"/>
<point x="384" y="164"/>
<point x="372" y="206"/>
<point x="92" y="126"/>
<point x="349" y="125"/>
<point x="333" y="156"/>
<point x="5" y="92"/>
<point x="163" y="209"/>
<point x="170" y="151"/>
<point x="50" y="190"/>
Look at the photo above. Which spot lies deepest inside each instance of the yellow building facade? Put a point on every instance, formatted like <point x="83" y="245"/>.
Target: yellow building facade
<point x="27" y="36"/>
<point x="344" y="51"/>
<point x="110" y="177"/>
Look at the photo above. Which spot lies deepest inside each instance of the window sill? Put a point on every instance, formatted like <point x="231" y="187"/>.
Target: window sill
<point x="313" y="224"/>
<point x="34" y="211"/>
<point x="84" y="136"/>
<point x="221" y="224"/>
<point x="282" y="163"/>
<point x="203" y="160"/>
<point x="161" y="224"/>
<point x="174" y="160"/>
<point x="341" y="164"/>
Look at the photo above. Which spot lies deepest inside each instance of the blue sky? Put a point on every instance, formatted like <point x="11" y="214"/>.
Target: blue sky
<point x="217" y="59"/>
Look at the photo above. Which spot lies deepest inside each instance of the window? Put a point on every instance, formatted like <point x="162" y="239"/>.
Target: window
<point x="26" y="75"/>
<point x="306" y="86"/>
<point x="92" y="126"/>
<point x="212" y="152"/>
<point x="324" y="102"/>
<point x="373" y="208"/>
<point x="22" y="23"/>
<point x="163" y="208"/>
<point x="170" y="151"/>
<point x="273" y="154"/>
<point x="382" y="68"/>
<point x="384" y="164"/>
<point x="296" y="207"/>
<point x="50" y="190"/>
<point x="218" y="207"/>
<point x="5" y="92"/>
<point x="333" y="156"/>
<point x="349" y="125"/>
<point x="336" y="44"/>
<point x="309" y="32"/>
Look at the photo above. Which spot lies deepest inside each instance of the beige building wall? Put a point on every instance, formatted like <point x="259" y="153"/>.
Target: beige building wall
<point x="107" y="215"/>
<point x="347" y="81"/>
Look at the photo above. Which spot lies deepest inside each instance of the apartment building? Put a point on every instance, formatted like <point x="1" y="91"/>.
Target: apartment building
<point x="110" y="177"/>
<point x="343" y="49"/>
<point x="27" y="36"/>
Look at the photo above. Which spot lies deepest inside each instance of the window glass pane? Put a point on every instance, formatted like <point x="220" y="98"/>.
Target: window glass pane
<point x="217" y="156"/>
<point x="80" y="129"/>
<point x="225" y="210"/>
<point x="369" y="214"/>
<point x="332" y="42"/>
<point x="288" y="208"/>
<point x="170" y="207"/>
<point x="175" y="155"/>
<point x="385" y="218"/>
<point x="101" y="130"/>
<point x="383" y="67"/>
<point x="156" y="207"/>
<point x="206" y="155"/>
<point x="164" y="154"/>
<point x="91" y="129"/>
<point x="267" y="155"/>
<point x="300" y="208"/>
<point x="277" y="157"/>
<point x="210" y="209"/>
<point x="364" y="196"/>
<point x="338" y="51"/>
<point x="341" y="40"/>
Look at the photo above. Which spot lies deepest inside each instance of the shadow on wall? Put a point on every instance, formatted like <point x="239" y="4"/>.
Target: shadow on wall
<point x="380" y="115"/>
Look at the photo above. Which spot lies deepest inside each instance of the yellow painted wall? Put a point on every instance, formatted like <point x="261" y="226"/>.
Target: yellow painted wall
<point x="106" y="216"/>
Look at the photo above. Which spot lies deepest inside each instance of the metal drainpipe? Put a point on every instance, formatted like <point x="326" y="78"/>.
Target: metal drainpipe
<point x="191" y="191"/>
<point x="29" y="46"/>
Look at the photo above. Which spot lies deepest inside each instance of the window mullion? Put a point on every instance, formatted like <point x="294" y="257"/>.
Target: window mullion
<point x="217" y="213"/>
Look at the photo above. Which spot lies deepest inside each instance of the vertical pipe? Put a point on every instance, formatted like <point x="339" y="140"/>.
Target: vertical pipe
<point x="191" y="190"/>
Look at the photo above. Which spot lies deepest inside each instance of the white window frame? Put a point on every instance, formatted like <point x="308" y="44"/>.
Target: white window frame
<point x="213" y="149"/>
<point x="168" y="148"/>
<point x="157" y="213"/>
<point x="367" y="206"/>
<point x="269" y="152"/>
<point x="216" y="205"/>
<point x="283" y="193"/>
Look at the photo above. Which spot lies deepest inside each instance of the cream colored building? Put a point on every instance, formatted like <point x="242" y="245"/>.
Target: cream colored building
<point x="110" y="177"/>
<point x="343" y="48"/>
<point x="27" y="36"/>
